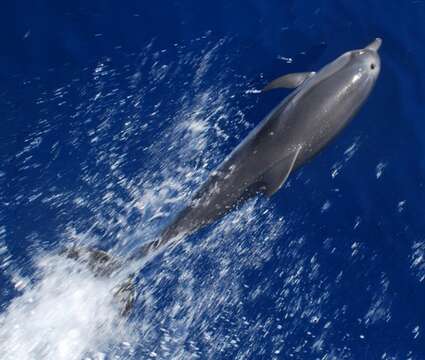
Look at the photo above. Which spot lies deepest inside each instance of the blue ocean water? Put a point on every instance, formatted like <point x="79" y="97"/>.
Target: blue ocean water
<point x="113" y="113"/>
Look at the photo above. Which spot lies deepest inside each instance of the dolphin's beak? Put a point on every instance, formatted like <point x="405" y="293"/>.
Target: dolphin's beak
<point x="375" y="45"/>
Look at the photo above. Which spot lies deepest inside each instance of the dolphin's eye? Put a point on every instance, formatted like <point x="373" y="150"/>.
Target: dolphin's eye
<point x="372" y="66"/>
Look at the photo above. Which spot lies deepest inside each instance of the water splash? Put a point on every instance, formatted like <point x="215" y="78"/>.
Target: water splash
<point x="65" y="313"/>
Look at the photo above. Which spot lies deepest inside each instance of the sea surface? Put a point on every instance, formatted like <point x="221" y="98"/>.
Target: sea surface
<point x="112" y="113"/>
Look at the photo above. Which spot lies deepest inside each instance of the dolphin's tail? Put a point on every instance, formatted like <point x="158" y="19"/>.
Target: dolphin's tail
<point x="98" y="261"/>
<point x="105" y="265"/>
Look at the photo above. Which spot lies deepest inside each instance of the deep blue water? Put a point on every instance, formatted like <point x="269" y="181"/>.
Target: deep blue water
<point x="113" y="112"/>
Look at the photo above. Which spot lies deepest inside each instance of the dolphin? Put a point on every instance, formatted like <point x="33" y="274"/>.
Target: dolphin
<point x="299" y="127"/>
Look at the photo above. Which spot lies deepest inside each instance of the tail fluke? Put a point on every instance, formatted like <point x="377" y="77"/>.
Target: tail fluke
<point x="103" y="264"/>
<point x="125" y="295"/>
<point x="99" y="261"/>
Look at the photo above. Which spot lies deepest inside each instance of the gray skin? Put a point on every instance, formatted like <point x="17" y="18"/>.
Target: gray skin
<point x="297" y="129"/>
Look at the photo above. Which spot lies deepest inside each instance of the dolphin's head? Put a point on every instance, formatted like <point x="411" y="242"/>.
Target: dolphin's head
<point x="345" y="83"/>
<point x="355" y="66"/>
<point x="367" y="60"/>
<point x="352" y="76"/>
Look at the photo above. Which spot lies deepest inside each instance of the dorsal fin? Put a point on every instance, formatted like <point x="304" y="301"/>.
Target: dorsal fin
<point x="289" y="81"/>
<point x="277" y="174"/>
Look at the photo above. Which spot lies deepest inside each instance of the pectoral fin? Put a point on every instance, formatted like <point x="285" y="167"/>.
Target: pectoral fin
<point x="276" y="176"/>
<point x="289" y="81"/>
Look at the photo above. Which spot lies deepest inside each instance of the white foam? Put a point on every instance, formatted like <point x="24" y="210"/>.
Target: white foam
<point x="65" y="313"/>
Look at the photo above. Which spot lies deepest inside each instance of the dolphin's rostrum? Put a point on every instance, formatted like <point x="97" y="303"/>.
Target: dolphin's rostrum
<point x="321" y="105"/>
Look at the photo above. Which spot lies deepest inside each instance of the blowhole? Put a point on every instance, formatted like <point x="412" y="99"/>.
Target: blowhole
<point x="372" y="66"/>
